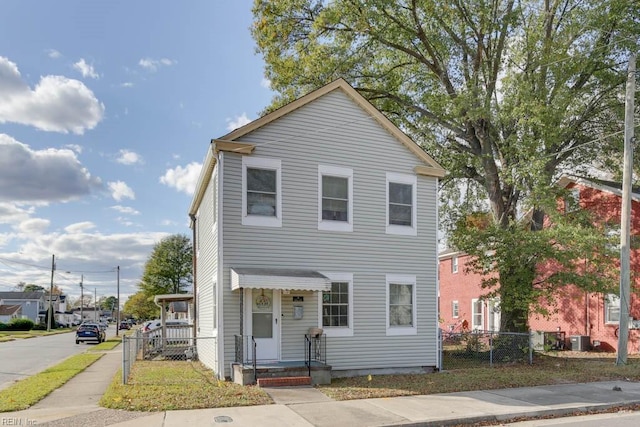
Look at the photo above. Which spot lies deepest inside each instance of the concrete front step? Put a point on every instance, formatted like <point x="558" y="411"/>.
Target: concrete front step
<point x="283" y="381"/>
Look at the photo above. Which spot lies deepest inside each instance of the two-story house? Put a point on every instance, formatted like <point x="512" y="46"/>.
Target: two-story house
<point x="318" y="217"/>
<point x="586" y="320"/>
<point x="31" y="303"/>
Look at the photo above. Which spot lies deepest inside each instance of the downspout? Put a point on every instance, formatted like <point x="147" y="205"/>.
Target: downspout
<point x="194" y="268"/>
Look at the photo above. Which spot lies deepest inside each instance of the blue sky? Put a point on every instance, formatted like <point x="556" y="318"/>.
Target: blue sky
<point x="106" y="112"/>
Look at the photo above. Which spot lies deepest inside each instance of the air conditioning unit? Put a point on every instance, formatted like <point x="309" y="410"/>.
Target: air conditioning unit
<point x="579" y="342"/>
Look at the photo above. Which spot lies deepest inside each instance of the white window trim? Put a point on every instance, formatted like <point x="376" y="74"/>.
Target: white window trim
<point x="215" y="304"/>
<point x="338" y="331"/>
<point x="402" y="279"/>
<point x="342" y="173"/>
<point x="262" y="163"/>
<point x="473" y="313"/>
<point x="403" y="229"/>
<point x="607" y="304"/>
<point x="455" y="309"/>
<point x="454" y="264"/>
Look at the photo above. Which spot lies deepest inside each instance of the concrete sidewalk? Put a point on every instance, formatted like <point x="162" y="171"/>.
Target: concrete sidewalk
<point x="76" y="404"/>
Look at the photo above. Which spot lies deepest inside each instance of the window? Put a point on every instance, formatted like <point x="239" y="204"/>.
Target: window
<point x="454" y="264"/>
<point x="572" y="200"/>
<point x="401" y="305"/>
<point x="335" y="198"/>
<point x="336" y="306"/>
<point x="612" y="308"/>
<point x="455" y="309"/>
<point x="477" y="316"/>
<point x="261" y="192"/>
<point x="401" y="204"/>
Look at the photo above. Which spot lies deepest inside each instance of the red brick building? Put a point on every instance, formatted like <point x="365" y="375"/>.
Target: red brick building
<point x="588" y="318"/>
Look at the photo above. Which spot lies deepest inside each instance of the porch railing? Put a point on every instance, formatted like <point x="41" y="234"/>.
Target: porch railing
<point x="245" y="345"/>
<point x="315" y="350"/>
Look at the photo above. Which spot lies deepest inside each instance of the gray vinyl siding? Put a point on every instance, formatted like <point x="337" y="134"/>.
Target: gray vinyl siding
<point x="334" y="131"/>
<point x="206" y="265"/>
<point x="293" y="330"/>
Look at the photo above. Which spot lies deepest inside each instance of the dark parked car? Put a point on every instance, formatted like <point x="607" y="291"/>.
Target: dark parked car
<point x="89" y="332"/>
<point x="124" y="325"/>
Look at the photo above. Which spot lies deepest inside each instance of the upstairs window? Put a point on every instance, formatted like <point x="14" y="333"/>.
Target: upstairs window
<point x="572" y="200"/>
<point x="454" y="264"/>
<point x="335" y="198"/>
<point x="455" y="309"/>
<point x="401" y="204"/>
<point x="261" y="192"/>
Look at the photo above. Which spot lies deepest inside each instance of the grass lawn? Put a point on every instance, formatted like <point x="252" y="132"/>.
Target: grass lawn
<point x="160" y="386"/>
<point x="31" y="390"/>
<point x="546" y="370"/>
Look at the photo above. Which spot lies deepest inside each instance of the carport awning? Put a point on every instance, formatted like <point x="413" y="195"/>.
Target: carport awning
<point x="283" y="279"/>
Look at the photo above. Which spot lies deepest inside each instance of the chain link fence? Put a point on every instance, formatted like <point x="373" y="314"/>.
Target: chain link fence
<point x="477" y="348"/>
<point x="173" y="346"/>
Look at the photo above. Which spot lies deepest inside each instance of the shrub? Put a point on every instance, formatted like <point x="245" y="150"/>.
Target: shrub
<point x="20" y="325"/>
<point x="3" y="326"/>
<point x="39" y="327"/>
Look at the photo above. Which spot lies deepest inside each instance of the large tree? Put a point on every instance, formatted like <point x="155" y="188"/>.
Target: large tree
<point x="506" y="94"/>
<point x="141" y="306"/>
<point x="169" y="269"/>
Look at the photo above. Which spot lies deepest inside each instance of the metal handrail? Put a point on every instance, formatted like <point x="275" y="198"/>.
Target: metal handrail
<point x="255" y="372"/>
<point x="307" y="352"/>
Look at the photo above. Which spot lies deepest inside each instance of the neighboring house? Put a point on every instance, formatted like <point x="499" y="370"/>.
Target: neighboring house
<point x="31" y="302"/>
<point x="10" y="312"/>
<point x="462" y="307"/>
<point x="321" y="214"/>
<point x="587" y="319"/>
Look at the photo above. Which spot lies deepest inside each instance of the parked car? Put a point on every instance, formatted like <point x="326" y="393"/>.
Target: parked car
<point x="90" y="332"/>
<point x="124" y="325"/>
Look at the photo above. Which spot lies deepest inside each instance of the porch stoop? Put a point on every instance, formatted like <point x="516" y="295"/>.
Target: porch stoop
<point x="287" y="373"/>
<point x="284" y="381"/>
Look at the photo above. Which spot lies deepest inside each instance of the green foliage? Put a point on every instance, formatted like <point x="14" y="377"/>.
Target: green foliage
<point x="32" y="288"/>
<point x="141" y="306"/>
<point x="169" y="269"/>
<point x="39" y="327"/>
<point x="506" y="95"/>
<point x="20" y="325"/>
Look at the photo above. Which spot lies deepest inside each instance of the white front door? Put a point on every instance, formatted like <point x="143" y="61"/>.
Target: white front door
<point x="264" y="318"/>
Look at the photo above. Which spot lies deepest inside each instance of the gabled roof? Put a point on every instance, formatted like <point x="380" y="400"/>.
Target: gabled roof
<point x="228" y="142"/>
<point x="10" y="310"/>
<point x="21" y="295"/>
<point x="598" y="184"/>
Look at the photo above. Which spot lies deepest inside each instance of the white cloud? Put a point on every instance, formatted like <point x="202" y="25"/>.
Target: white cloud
<point x="11" y="213"/>
<point x="182" y="179"/>
<point x="125" y="210"/>
<point x="41" y="176"/>
<point x="34" y="225"/>
<point x="153" y="64"/>
<point x="265" y="83"/>
<point x="126" y="84"/>
<point x="80" y="227"/>
<point x="85" y="69"/>
<point x="56" y="104"/>
<point x="127" y="157"/>
<point x="237" y="122"/>
<point x="53" y="54"/>
<point x="74" y="147"/>
<point x="120" y="190"/>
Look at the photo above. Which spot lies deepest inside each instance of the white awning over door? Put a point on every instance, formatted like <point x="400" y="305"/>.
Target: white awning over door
<point x="282" y="279"/>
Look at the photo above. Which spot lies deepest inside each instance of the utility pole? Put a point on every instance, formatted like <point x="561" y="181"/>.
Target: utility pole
<point x="81" y="298"/>
<point x="118" y="300"/>
<point x="95" y="304"/>
<point x="49" y="312"/>
<point x="625" y="220"/>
